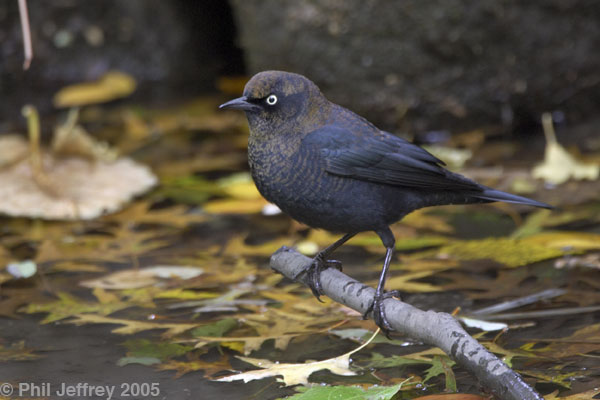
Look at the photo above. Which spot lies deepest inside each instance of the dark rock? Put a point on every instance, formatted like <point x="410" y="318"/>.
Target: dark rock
<point x="425" y="65"/>
<point x="166" y="46"/>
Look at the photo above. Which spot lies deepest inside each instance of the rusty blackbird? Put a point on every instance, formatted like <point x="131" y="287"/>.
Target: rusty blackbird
<point x="332" y="169"/>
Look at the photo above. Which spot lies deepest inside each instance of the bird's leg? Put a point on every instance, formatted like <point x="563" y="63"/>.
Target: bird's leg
<point x="320" y="263"/>
<point x="380" y="294"/>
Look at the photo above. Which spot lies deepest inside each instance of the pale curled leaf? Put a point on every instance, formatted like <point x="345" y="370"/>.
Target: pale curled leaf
<point x="295" y="374"/>
<point x="83" y="190"/>
<point x="559" y="166"/>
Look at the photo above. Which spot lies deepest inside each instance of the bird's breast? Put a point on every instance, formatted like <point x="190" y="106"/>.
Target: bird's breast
<point x="283" y="172"/>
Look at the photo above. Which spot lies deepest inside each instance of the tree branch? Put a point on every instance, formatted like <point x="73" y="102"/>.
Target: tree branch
<point x="430" y="327"/>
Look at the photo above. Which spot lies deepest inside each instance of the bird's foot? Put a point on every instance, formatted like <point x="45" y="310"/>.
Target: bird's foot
<point x="378" y="312"/>
<point x="313" y="273"/>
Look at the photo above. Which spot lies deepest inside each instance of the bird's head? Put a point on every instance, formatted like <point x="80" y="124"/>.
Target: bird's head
<point x="278" y="102"/>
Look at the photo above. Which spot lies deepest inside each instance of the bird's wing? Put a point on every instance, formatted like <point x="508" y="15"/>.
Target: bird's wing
<point x="383" y="158"/>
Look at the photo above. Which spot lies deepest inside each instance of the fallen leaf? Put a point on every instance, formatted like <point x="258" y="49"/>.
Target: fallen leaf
<point x="406" y="282"/>
<point x="582" y="341"/>
<point x="517" y="252"/>
<point x="184" y="367"/>
<point x="67" y="306"/>
<point x="85" y="190"/>
<point x="137" y="360"/>
<point x="235" y="206"/>
<point x="143" y="277"/>
<point x="218" y="328"/>
<point x="111" y="86"/>
<point x="587" y="395"/>
<point x="559" y="166"/>
<point x="346" y="392"/>
<point x="17" y="352"/>
<point x="442" y="365"/>
<point x="483" y="325"/>
<point x="454" y="396"/>
<point x="132" y="326"/>
<point x="295" y="374"/>
<point x="161" y="350"/>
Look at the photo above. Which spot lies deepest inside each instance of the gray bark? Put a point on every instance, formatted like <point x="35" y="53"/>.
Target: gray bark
<point x="430" y="327"/>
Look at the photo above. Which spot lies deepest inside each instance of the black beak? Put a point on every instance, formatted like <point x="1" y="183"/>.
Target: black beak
<point x="241" y="103"/>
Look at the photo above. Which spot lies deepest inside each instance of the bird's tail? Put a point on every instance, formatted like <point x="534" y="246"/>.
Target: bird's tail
<point x="497" y="195"/>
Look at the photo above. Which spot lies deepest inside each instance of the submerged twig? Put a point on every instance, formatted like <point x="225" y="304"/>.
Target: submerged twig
<point x="434" y="328"/>
<point x="521" y="301"/>
<point x="27" y="47"/>
<point x="542" y="313"/>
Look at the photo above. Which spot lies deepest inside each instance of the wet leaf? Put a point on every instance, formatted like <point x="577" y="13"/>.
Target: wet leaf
<point x="138" y="278"/>
<point x="457" y="396"/>
<point x="517" y="252"/>
<point x="113" y="85"/>
<point x="137" y="360"/>
<point x="582" y="341"/>
<point x="407" y="283"/>
<point x="183" y="294"/>
<point x="132" y="326"/>
<point x="509" y="354"/>
<point x="483" y="325"/>
<point x="346" y="392"/>
<point x="442" y="365"/>
<point x="562" y="379"/>
<point x="218" y="328"/>
<point x="160" y="350"/>
<point x="283" y="326"/>
<point x="587" y="395"/>
<point x="184" y="367"/>
<point x="235" y="206"/>
<point x="67" y="306"/>
<point x="295" y="374"/>
<point x="188" y="189"/>
<point x="17" y="352"/>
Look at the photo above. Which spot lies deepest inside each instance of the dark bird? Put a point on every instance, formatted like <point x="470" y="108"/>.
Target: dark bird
<point x="330" y="168"/>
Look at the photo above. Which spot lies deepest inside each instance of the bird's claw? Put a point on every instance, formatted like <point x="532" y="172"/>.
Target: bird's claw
<point x="313" y="274"/>
<point x="378" y="312"/>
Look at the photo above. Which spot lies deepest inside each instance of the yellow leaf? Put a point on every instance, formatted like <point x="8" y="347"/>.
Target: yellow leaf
<point x="237" y="246"/>
<point x="403" y="282"/>
<point x="67" y="306"/>
<point x="559" y="166"/>
<point x="112" y="85"/>
<point x="587" y="395"/>
<point x="132" y="326"/>
<point x="183" y="294"/>
<point x="517" y="252"/>
<point x="420" y="219"/>
<point x="235" y="206"/>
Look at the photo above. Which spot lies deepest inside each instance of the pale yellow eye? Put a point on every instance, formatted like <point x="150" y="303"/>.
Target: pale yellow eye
<point x="272" y="100"/>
